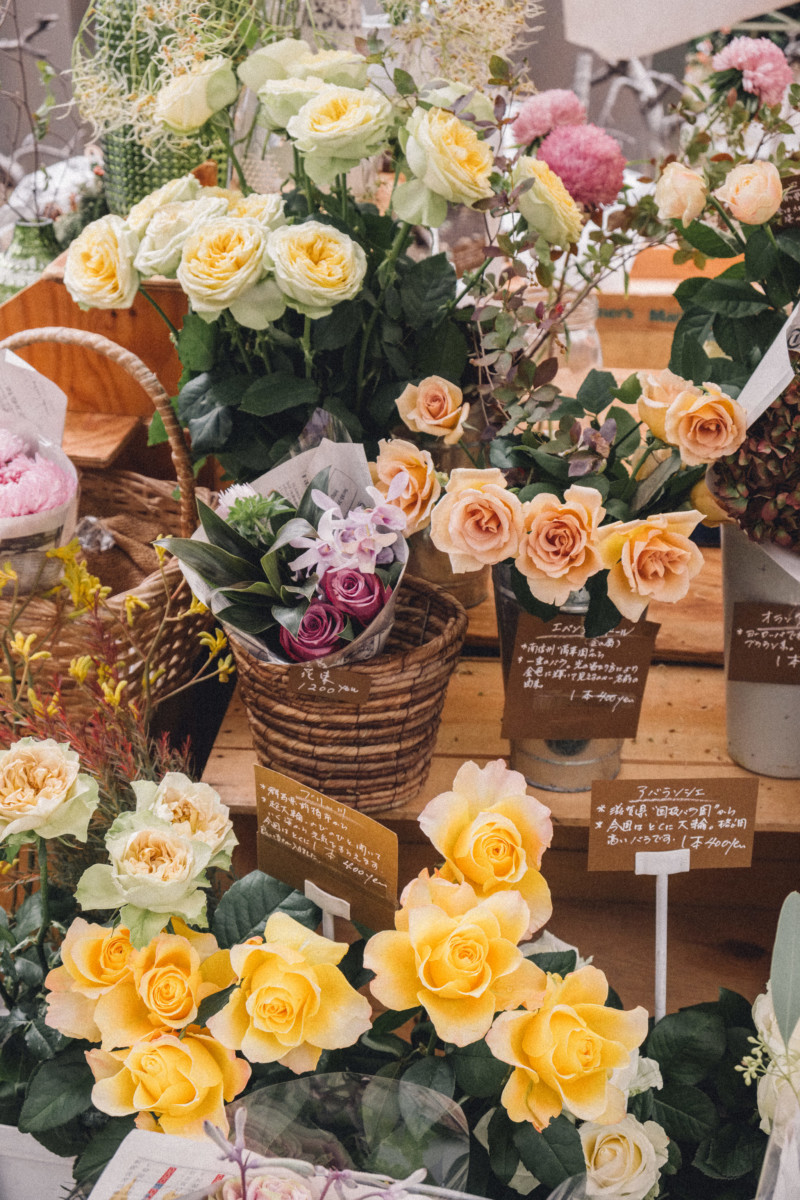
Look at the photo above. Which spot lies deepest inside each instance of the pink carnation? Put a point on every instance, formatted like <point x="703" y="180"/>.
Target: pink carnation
<point x="588" y="161"/>
<point x="11" y="444"/>
<point x="765" y="71"/>
<point x="32" y="485"/>
<point x="544" y="111"/>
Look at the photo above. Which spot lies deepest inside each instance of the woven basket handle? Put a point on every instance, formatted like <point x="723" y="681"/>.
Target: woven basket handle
<point x="147" y="380"/>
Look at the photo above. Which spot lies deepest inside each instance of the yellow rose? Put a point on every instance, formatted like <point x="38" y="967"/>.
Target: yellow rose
<point x="94" y="960"/>
<point x="492" y="835"/>
<point x="650" y="559"/>
<point x="175" y="191"/>
<point x="455" y="956"/>
<point x="564" y="1054"/>
<point x="624" y="1159"/>
<point x="422" y="488"/>
<point x="702" y="499"/>
<point x="434" y="406"/>
<point x="188" y="101"/>
<point x="337" y="127"/>
<point x="557" y="551"/>
<point x="42" y="793"/>
<point x="478" y="521"/>
<point x="705" y="427"/>
<point x="194" y="810"/>
<point x="160" y="248"/>
<point x="221" y="261"/>
<point x="316" y="266"/>
<point x="99" y="272"/>
<point x="659" y="390"/>
<point x="547" y="206"/>
<point x="292" y="1001"/>
<point x="449" y="162"/>
<point x="752" y="191"/>
<point x="179" y="1082"/>
<point x="680" y="193"/>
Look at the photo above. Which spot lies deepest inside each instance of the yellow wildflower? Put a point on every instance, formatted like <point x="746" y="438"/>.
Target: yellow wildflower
<point x="23" y="646"/>
<point x="132" y="603"/>
<point x="214" y="642"/>
<point x="161" y="552"/>
<point x="7" y="575"/>
<point x="36" y="705"/>
<point x="155" y="675"/>
<point x="196" y="608"/>
<point x="226" y="668"/>
<point x="80" y="667"/>
<point x="113" y="696"/>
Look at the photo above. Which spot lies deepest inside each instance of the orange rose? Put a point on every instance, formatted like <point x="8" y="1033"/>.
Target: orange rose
<point x="563" y="1055"/>
<point x="422" y="488"/>
<point x="705" y="427"/>
<point x="455" y="956"/>
<point x="478" y="521"/>
<point x="557" y="551"/>
<point x="492" y="835"/>
<point x="650" y="559"/>
<point x="659" y="390"/>
<point x="434" y="406"/>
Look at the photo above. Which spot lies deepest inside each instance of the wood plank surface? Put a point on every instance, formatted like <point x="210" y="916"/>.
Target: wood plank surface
<point x="94" y="439"/>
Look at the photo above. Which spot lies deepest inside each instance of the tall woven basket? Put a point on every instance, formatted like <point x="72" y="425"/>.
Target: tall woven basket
<point x="375" y="755"/>
<point x="107" y="493"/>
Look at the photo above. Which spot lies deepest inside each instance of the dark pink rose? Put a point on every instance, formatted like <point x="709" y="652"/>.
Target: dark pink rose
<point x="360" y="596"/>
<point x="318" y="634"/>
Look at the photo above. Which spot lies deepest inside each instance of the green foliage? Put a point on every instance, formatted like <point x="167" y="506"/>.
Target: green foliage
<point x="244" y="908"/>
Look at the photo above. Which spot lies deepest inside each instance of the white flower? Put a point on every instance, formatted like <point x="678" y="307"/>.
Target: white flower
<point x="449" y="161"/>
<point x="188" y="101"/>
<point x="779" y="1088"/>
<point x="100" y="271"/>
<point x="282" y="99"/>
<point x="266" y="208"/>
<point x="160" y="249"/>
<point x="194" y="810"/>
<point x="273" y="61"/>
<point x="316" y="266"/>
<point x="221" y="261"/>
<point x="42" y="793"/>
<point x="186" y="187"/>
<point x="623" y="1159"/>
<point x="338" y="127"/>
<point x="343" y="67"/>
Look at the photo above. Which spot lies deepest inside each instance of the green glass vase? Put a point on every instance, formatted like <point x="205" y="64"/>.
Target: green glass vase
<point x="33" y="245"/>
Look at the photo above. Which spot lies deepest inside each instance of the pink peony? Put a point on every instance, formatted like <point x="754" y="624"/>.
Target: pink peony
<point x="544" y="111"/>
<point x="588" y="161"/>
<point x="32" y="485"/>
<point x="11" y="444"/>
<point x="765" y="71"/>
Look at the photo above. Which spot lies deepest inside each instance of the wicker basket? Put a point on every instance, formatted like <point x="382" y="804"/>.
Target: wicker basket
<point x="376" y="755"/>
<point x="109" y="492"/>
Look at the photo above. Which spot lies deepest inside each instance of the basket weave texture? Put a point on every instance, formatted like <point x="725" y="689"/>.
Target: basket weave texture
<point x="104" y="494"/>
<point x="375" y="755"/>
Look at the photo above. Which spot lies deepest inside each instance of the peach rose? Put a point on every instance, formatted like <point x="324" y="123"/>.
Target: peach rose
<point x="680" y="193"/>
<point x="455" y="956"/>
<point x="292" y="1002"/>
<point x="478" y="521"/>
<point x="650" y="559"/>
<point x="179" y="1082"/>
<point x="492" y="835"/>
<point x="422" y="488"/>
<point x="556" y="551"/>
<point x="564" y="1054"/>
<point x="434" y="406"/>
<point x="659" y="390"/>
<point x="705" y="427"/>
<point x="752" y="191"/>
<point x="95" y="960"/>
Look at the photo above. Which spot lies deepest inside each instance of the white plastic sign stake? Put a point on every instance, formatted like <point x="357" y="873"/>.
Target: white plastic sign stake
<point x="332" y="906"/>
<point x="662" y="864"/>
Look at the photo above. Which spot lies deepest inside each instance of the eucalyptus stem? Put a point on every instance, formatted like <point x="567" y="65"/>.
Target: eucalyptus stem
<point x="44" y="892"/>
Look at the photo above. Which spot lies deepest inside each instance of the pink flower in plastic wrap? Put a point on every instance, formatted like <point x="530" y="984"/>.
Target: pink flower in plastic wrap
<point x="544" y="111"/>
<point x="588" y="161"/>
<point x="765" y="71"/>
<point x="11" y="444"/>
<point x="32" y="485"/>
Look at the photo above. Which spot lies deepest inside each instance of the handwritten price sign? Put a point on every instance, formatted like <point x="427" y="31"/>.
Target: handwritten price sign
<point x="765" y="643"/>
<point x="329" y="683"/>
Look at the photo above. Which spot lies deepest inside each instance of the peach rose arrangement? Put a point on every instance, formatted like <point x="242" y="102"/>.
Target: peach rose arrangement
<point x="166" y="1011"/>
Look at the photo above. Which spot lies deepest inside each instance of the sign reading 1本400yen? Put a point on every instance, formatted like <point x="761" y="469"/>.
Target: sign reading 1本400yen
<point x="714" y="819"/>
<point x="765" y="643"/>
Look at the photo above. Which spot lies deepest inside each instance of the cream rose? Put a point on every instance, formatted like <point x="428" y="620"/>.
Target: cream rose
<point x="478" y="521"/>
<point x="752" y="191"/>
<point x="557" y="550"/>
<point x="445" y="93"/>
<point x="99" y="272"/>
<point x="422" y="488"/>
<point x="282" y="99"/>
<point x="659" y="390"/>
<point x="316" y="266"/>
<point x="345" y="68"/>
<point x="153" y="874"/>
<point x="194" y="810"/>
<point x="266" y="208"/>
<point x="220" y="262"/>
<point x="623" y="1159"/>
<point x="705" y="427"/>
<point x="273" y="61"/>
<point x="42" y="793"/>
<point x="434" y="406"/>
<point x="680" y="193"/>
<point x="160" y="249"/>
<point x="338" y="127"/>
<point x="188" y="101"/>
<point x="175" y="191"/>
<point x="547" y="206"/>
<point x="449" y="162"/>
<point x="269" y="1186"/>
<point x="650" y="559"/>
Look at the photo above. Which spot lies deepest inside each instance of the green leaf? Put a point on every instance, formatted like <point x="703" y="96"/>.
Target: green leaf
<point x="784" y="973"/>
<point x="445" y="354"/>
<point x="101" y="1148"/>
<point x="215" y="565"/>
<point x="761" y="255"/>
<point x="247" y="618"/>
<point x="426" y="288"/>
<point x="197" y="343"/>
<point x="504" y="1153"/>
<point x="392" y="1019"/>
<point x="686" y="291"/>
<point x="708" y="241"/>
<point x="477" y="1071"/>
<point x="340" y="328"/>
<point x="29" y="916"/>
<point x="597" y="390"/>
<point x="308" y="509"/>
<point x="243" y="910"/>
<point x="731" y="298"/>
<point x="156" y="433"/>
<point x="213" y="1004"/>
<point x="220" y="533"/>
<point x="211" y="431"/>
<point x="552" y="1155"/>
<point x="519" y="586"/>
<point x="278" y="392"/>
<point x="60" y="1089"/>
<point x="686" y="1113"/>
<point x="432" y="1072"/>
<point x="647" y="491"/>
<point x="603" y="615"/>
<point x="559" y="962"/>
<point x="733" y="1151"/>
<point x="630" y="390"/>
<point x="686" y="1043"/>
<point x="42" y="1041"/>
<point x="210" y="391"/>
<point x="403" y="82"/>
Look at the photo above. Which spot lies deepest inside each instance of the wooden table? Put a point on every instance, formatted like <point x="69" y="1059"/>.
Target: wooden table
<point x="722" y="922"/>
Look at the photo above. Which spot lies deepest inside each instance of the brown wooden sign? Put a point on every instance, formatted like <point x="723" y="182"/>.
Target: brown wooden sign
<point x="563" y="684"/>
<point x="765" y="643"/>
<point x="305" y="835"/>
<point x="714" y="819"/>
<point x="336" y="684"/>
